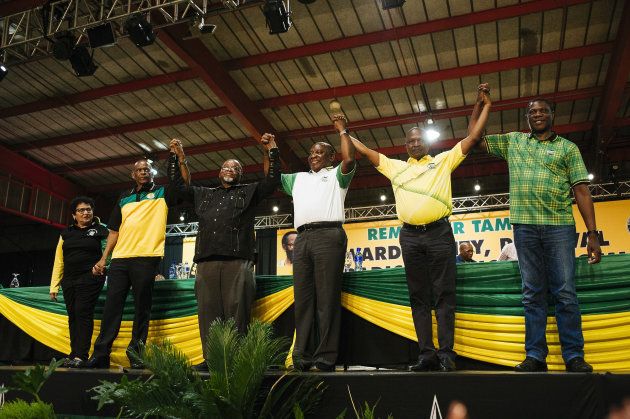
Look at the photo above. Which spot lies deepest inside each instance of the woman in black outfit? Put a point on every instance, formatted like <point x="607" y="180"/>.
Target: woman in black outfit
<point x="80" y="247"/>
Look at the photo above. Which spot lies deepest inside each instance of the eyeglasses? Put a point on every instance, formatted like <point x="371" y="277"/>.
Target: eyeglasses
<point x="231" y="169"/>
<point x="83" y="210"/>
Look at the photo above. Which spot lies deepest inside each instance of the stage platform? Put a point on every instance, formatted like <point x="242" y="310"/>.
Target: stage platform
<point x="404" y="394"/>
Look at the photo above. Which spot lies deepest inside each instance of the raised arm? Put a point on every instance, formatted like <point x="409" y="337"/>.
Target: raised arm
<point x="483" y="87"/>
<point x="341" y="125"/>
<point x="347" y="147"/>
<point x="475" y="133"/>
<point x="271" y="164"/>
<point x="178" y="150"/>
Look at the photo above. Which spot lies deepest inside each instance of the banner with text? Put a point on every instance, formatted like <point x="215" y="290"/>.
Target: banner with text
<point x="487" y="232"/>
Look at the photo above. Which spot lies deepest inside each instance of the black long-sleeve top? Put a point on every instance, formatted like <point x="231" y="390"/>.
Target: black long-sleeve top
<point x="226" y="215"/>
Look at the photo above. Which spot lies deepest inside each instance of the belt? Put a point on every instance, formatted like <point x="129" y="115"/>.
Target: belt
<point x="425" y="227"/>
<point x="319" y="224"/>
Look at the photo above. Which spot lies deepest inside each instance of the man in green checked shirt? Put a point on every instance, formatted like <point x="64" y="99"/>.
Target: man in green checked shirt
<point x="544" y="167"/>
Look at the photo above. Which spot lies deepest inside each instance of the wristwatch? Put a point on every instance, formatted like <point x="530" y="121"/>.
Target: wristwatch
<point x="345" y="131"/>
<point x="183" y="162"/>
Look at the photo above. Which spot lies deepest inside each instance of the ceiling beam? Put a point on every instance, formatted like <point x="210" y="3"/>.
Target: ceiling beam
<point x="195" y="54"/>
<point x="402" y="32"/>
<point x="12" y="7"/>
<point x="440" y="75"/>
<point x="98" y="93"/>
<point x="26" y="170"/>
<point x="121" y="129"/>
<point x="240" y="105"/>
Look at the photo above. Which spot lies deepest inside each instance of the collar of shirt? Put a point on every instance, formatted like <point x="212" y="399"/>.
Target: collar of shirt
<point x="146" y="187"/>
<point x="329" y="168"/>
<point x="426" y="159"/>
<point x="553" y="137"/>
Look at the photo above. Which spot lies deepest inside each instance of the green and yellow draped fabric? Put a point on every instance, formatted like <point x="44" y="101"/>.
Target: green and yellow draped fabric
<point x="489" y="324"/>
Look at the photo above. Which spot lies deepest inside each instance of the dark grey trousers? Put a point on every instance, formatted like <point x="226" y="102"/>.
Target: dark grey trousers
<point x="224" y="289"/>
<point x="318" y="258"/>
<point x="429" y="258"/>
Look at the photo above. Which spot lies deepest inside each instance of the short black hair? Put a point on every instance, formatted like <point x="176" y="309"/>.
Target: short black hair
<point x="81" y="200"/>
<point x="549" y="103"/>
<point x="285" y="237"/>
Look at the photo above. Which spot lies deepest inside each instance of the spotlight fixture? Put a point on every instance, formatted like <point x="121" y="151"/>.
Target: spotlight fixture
<point x="277" y="15"/>
<point x="430" y="121"/>
<point x="390" y="4"/>
<point x="383" y="197"/>
<point x="206" y="28"/>
<point x="477" y="187"/>
<point x="591" y="176"/>
<point x="101" y="35"/>
<point x="63" y="45"/>
<point x="181" y="217"/>
<point x="3" y="71"/>
<point x="82" y="62"/>
<point x="140" y="31"/>
<point x="275" y="208"/>
<point x="431" y="135"/>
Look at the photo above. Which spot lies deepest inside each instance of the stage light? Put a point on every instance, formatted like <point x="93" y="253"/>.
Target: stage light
<point x="477" y="187"/>
<point x="63" y="45"/>
<point x="275" y="208"/>
<point x="277" y="15"/>
<point x="591" y="176"/>
<point x="160" y="145"/>
<point x="145" y="147"/>
<point x="383" y="197"/>
<point x="3" y="71"/>
<point x="181" y="217"/>
<point x="140" y="31"/>
<point x="101" y="35"/>
<point x="390" y="4"/>
<point x="430" y="121"/>
<point x="154" y="172"/>
<point x="82" y="62"/>
<point x="431" y="135"/>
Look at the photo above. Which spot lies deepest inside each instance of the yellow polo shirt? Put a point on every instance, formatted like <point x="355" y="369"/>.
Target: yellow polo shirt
<point x="422" y="188"/>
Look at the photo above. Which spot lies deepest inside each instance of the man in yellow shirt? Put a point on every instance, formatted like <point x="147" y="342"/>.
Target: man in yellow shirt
<point x="422" y="189"/>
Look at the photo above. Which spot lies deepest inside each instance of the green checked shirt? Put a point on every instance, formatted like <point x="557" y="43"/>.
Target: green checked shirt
<point x="542" y="174"/>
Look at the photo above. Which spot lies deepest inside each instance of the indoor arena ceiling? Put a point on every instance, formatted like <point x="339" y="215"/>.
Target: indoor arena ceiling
<point x="389" y="69"/>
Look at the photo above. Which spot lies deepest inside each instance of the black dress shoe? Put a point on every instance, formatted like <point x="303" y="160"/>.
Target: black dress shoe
<point x="578" y="364"/>
<point x="447" y="364"/>
<point x="302" y="365"/>
<point x="323" y="367"/>
<point x="531" y="365"/>
<point x="67" y="362"/>
<point x="203" y="367"/>
<point x="425" y="364"/>
<point x="76" y="363"/>
<point x="94" y="362"/>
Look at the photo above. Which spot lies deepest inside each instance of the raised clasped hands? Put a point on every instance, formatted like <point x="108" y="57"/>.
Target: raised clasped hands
<point x="340" y="121"/>
<point x="483" y="93"/>
<point x="268" y="141"/>
<point x="177" y="148"/>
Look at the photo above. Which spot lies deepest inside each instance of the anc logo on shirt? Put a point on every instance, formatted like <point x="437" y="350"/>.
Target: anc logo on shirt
<point x="150" y="195"/>
<point x="431" y="165"/>
<point x="91" y="232"/>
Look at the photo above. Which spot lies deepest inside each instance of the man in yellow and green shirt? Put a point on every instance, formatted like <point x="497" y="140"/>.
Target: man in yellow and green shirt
<point x="137" y="232"/>
<point x="422" y="189"/>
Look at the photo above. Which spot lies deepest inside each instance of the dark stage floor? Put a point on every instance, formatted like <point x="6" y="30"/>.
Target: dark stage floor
<point x="487" y="394"/>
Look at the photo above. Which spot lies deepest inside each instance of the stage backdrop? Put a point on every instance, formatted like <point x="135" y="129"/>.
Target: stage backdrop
<point x="488" y="232"/>
<point x="489" y="323"/>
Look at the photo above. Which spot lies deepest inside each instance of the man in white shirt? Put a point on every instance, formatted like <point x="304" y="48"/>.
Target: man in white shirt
<point x="319" y="251"/>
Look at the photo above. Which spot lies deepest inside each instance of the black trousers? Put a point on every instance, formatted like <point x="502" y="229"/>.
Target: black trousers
<point x="318" y="257"/>
<point x="429" y="258"/>
<point x="224" y="289"/>
<point x="139" y="275"/>
<point x="80" y="293"/>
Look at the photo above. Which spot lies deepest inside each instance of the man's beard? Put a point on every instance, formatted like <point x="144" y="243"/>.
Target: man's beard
<point x="230" y="180"/>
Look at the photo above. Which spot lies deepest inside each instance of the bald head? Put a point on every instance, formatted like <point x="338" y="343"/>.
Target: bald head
<point x="466" y="251"/>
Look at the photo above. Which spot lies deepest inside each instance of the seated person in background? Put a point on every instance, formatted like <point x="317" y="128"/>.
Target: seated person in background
<point x="80" y="247"/>
<point x="466" y="253"/>
<point x="508" y="252"/>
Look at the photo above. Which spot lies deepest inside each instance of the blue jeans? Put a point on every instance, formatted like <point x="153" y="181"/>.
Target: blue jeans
<point x="546" y="258"/>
